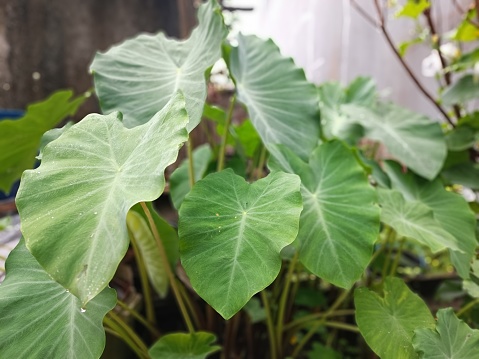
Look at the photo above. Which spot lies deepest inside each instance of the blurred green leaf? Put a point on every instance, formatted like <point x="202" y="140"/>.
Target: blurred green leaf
<point x="196" y="345"/>
<point x="465" y="174"/>
<point x="254" y="310"/>
<point x="413" y="8"/>
<point x="20" y="139"/>
<point x="460" y="138"/>
<point x="319" y="351"/>
<point x="462" y="91"/>
<point x="466" y="31"/>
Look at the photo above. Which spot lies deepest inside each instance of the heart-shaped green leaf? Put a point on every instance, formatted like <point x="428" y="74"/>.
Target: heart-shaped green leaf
<point x="412" y="138"/>
<point x="231" y="234"/>
<point x="388" y="323"/>
<point x="180" y="178"/>
<point x="40" y="319"/>
<point x="414" y="220"/>
<point x="451" y="339"/>
<point x="283" y="106"/>
<point x="340" y="221"/>
<point x="139" y="76"/>
<point x="73" y="207"/>
<point x="449" y="209"/>
<point x="196" y="345"/>
<point x="20" y="139"/>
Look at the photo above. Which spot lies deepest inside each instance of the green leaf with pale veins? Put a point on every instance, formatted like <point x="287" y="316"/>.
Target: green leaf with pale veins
<point x="450" y="210"/>
<point x="452" y="339"/>
<point x="340" y="220"/>
<point x="139" y="76"/>
<point x="73" y="207"/>
<point x="198" y="345"/>
<point x="180" y="178"/>
<point x="387" y="322"/>
<point x="415" y="220"/>
<point x="231" y="235"/>
<point x="40" y="319"/>
<point x="411" y="138"/>
<point x="20" y="139"/>
<point x="282" y="104"/>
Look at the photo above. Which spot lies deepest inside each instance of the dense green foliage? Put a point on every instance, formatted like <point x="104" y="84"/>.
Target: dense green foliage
<point x="306" y="213"/>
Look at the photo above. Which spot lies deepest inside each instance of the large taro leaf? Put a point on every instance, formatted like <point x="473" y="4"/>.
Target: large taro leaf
<point x="40" y="319"/>
<point x="411" y="138"/>
<point x="73" y="207"/>
<point x="452" y="339"/>
<point x="340" y="221"/>
<point x="196" y="345"/>
<point x="415" y="220"/>
<point x="282" y="105"/>
<point x="20" y="139"/>
<point x="449" y="209"/>
<point x="139" y="76"/>
<point x="231" y="234"/>
<point x="388" y="323"/>
<point x="180" y="178"/>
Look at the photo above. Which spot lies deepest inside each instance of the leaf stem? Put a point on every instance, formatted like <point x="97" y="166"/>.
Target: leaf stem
<point x="343" y="326"/>
<point x="125" y="329"/>
<point x="189" y="305"/>
<point x="319" y="323"/>
<point x="145" y="284"/>
<point x="139" y="317"/>
<point x="113" y="328"/>
<point x="467" y="307"/>
<point x="296" y="324"/>
<point x="395" y="264"/>
<point x="389" y="243"/>
<point x="224" y="139"/>
<point x="262" y="160"/>
<point x="169" y="272"/>
<point x="282" y="301"/>
<point x="191" y="166"/>
<point x="270" y="325"/>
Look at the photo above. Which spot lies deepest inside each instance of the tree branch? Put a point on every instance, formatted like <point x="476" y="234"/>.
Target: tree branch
<point x="387" y="36"/>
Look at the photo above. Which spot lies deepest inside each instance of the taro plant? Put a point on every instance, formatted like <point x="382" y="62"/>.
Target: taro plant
<point x="298" y="227"/>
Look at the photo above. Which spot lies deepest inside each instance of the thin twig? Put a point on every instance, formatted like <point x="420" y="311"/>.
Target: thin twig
<point x="364" y="14"/>
<point x="437" y="39"/>
<point x="382" y="27"/>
